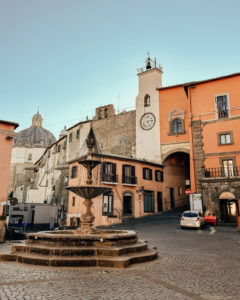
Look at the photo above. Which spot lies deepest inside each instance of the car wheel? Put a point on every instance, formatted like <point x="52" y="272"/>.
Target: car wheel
<point x="182" y="227"/>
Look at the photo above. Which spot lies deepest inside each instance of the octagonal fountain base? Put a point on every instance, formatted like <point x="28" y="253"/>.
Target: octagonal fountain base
<point x="106" y="248"/>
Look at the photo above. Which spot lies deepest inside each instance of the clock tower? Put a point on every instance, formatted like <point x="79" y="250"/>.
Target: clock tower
<point x="147" y="112"/>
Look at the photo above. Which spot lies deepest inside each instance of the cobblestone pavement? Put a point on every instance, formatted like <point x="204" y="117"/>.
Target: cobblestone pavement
<point x="192" y="264"/>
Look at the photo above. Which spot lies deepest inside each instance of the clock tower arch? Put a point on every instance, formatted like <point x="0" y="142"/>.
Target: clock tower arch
<point x="147" y="112"/>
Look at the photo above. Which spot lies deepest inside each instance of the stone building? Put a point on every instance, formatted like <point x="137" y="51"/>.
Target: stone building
<point x="28" y="146"/>
<point x="50" y="176"/>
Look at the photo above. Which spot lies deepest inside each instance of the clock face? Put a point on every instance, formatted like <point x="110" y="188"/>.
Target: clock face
<point x="147" y="121"/>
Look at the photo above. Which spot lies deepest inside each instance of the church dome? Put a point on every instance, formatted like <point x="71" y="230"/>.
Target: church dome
<point x="63" y="132"/>
<point x="35" y="136"/>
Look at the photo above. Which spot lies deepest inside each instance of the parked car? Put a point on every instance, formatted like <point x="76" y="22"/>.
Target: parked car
<point x="192" y="219"/>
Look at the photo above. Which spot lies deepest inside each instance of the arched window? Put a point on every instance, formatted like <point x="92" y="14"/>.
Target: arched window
<point x="105" y="113"/>
<point x="74" y="172"/>
<point x="146" y="100"/>
<point x="99" y="114"/>
<point x="177" y="126"/>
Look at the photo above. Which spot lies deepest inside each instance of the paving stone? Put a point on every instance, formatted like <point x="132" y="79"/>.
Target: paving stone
<point x="192" y="264"/>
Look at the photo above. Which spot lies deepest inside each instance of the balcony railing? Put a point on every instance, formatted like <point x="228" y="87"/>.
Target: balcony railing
<point x="129" y="180"/>
<point x="223" y="113"/>
<point x="109" y="177"/>
<point x="222" y="172"/>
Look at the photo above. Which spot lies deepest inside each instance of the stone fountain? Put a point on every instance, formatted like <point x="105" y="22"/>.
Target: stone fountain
<point x="86" y="246"/>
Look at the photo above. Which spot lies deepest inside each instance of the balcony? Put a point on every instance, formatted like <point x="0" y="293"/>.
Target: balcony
<point x="129" y="180"/>
<point x="223" y="113"/>
<point x="222" y="172"/>
<point x="113" y="178"/>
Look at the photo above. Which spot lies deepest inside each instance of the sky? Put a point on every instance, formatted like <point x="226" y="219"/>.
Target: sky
<point x="67" y="57"/>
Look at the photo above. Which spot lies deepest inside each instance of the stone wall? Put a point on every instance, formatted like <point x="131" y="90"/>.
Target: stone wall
<point x="117" y="134"/>
<point x="198" y="152"/>
<point x="213" y="187"/>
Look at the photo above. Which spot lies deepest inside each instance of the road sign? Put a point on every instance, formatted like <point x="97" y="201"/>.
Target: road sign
<point x="188" y="192"/>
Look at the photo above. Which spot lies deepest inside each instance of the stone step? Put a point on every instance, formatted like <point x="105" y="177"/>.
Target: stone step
<point x="95" y="261"/>
<point x="80" y="251"/>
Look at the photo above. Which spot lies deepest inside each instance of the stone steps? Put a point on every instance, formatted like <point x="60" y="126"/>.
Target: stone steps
<point x="105" y="248"/>
<point x="80" y="251"/>
<point x="86" y="261"/>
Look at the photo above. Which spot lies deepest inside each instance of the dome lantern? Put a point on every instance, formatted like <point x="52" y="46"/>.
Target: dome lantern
<point x="37" y="120"/>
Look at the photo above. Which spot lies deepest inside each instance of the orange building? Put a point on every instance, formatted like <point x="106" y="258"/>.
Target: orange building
<point x="136" y="189"/>
<point x="6" y="141"/>
<point x="199" y="124"/>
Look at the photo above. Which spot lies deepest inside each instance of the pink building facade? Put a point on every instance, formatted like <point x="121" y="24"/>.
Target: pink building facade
<point x="6" y="142"/>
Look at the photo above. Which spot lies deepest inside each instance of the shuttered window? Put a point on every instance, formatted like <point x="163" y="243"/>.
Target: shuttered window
<point x="147" y="174"/>
<point x="109" y="172"/>
<point x="107" y="207"/>
<point x="159" y="176"/>
<point x="128" y="174"/>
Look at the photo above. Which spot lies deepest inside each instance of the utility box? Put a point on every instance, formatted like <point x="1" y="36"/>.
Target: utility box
<point x="196" y="203"/>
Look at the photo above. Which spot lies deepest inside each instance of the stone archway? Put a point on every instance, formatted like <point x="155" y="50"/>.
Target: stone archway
<point x="228" y="207"/>
<point x="173" y="151"/>
<point x="176" y="178"/>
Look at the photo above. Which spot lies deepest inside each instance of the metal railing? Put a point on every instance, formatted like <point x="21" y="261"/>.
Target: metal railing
<point x="129" y="179"/>
<point x="109" y="177"/>
<point x="222" y="113"/>
<point x="222" y="172"/>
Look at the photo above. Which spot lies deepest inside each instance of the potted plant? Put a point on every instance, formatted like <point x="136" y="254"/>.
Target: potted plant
<point x="2" y="227"/>
<point x="3" y="218"/>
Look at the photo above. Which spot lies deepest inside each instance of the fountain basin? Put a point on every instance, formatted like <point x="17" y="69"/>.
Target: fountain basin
<point x="88" y="191"/>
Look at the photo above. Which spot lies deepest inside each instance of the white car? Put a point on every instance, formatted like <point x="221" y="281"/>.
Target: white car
<point x="192" y="219"/>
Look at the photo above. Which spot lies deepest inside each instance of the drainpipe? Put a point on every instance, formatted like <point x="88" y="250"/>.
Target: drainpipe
<point x="192" y="155"/>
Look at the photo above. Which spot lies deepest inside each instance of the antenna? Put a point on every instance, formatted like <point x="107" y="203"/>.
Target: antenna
<point x="118" y="103"/>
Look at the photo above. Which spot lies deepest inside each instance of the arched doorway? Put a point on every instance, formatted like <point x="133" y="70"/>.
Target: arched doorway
<point x="127" y="204"/>
<point x="228" y="207"/>
<point x="176" y="178"/>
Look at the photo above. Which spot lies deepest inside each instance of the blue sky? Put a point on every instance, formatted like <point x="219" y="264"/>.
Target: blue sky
<point x="66" y="57"/>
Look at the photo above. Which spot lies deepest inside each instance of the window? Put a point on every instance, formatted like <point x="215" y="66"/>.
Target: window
<point x="64" y="144"/>
<point x="159" y="176"/>
<point x="128" y="174"/>
<point x="149" y="201"/>
<point x="146" y="100"/>
<point x="179" y="191"/>
<point x="58" y="148"/>
<point x="147" y="173"/>
<point x="77" y="134"/>
<point x="107" y="208"/>
<point x="109" y="172"/>
<point x="74" y="172"/>
<point x="177" y="126"/>
<point x="70" y="137"/>
<point x="99" y="114"/>
<point x="30" y="156"/>
<point x="225" y="138"/>
<point x="105" y="113"/>
<point x="176" y="118"/>
<point x="228" y="169"/>
<point x="222" y="106"/>
<point x="73" y="201"/>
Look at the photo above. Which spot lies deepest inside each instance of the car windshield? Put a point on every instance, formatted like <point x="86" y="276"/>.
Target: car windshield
<point x="190" y="214"/>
